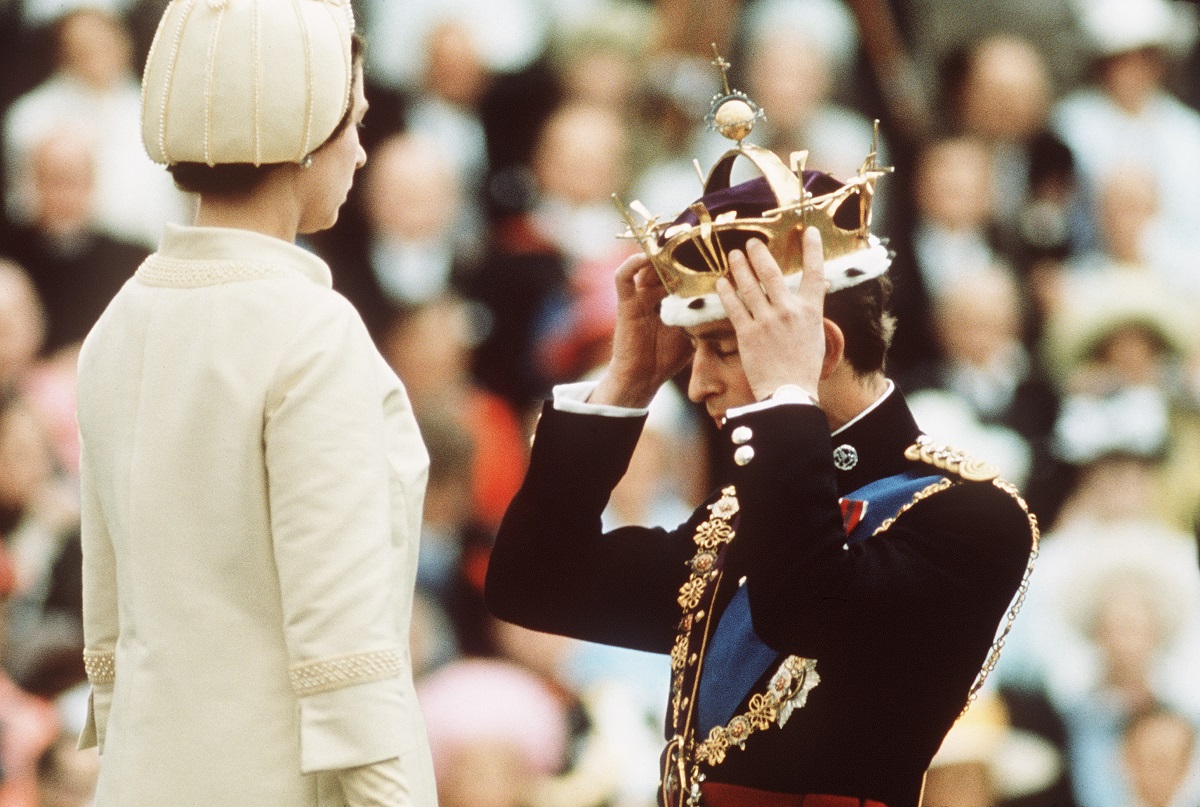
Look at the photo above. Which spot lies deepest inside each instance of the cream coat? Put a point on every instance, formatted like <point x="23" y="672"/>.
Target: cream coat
<point x="252" y="488"/>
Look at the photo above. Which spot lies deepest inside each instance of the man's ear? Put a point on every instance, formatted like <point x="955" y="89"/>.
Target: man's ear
<point x="835" y="348"/>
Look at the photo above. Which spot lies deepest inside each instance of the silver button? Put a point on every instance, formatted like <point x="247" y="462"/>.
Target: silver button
<point x="845" y="457"/>
<point x="741" y="435"/>
<point x="743" y="455"/>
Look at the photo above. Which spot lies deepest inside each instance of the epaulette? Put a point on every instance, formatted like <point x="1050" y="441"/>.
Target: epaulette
<point x="951" y="460"/>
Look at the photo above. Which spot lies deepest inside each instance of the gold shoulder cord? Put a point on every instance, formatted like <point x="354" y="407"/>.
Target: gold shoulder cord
<point x="1018" y="600"/>
<point x="971" y="469"/>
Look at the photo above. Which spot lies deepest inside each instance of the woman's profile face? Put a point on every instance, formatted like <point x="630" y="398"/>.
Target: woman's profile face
<point x="323" y="186"/>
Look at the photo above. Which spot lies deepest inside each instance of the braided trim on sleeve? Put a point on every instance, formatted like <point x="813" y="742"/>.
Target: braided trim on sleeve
<point x="326" y="675"/>
<point x="101" y="666"/>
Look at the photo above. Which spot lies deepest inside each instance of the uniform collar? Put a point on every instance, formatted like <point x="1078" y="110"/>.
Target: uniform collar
<point x="871" y="446"/>
<point x="245" y="247"/>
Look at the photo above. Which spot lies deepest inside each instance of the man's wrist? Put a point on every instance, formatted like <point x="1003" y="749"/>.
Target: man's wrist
<point x="783" y="394"/>
<point x="611" y="391"/>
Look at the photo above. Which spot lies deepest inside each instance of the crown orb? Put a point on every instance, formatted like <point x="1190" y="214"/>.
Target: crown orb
<point x="734" y="119"/>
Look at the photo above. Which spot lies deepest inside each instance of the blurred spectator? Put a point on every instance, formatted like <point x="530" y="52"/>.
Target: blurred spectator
<point x="66" y="776"/>
<point x="984" y="761"/>
<point x="432" y="639"/>
<point x="794" y="52"/>
<point x="40" y="12"/>
<point x="39" y="524"/>
<point x="1010" y="406"/>
<point x="1128" y="207"/>
<point x="935" y="30"/>
<point x="614" y="733"/>
<point x="76" y="268"/>
<point x="429" y="348"/>
<point x="952" y="235"/>
<point x="22" y="325"/>
<point x="1000" y="92"/>
<point x="447" y="110"/>
<point x="666" y="478"/>
<point x="455" y="544"/>
<point x="1133" y="614"/>
<point x="1159" y="756"/>
<point x="507" y="35"/>
<point x="495" y="753"/>
<point x="30" y="726"/>
<point x="1119" y="346"/>
<point x="601" y="58"/>
<point x="93" y="95"/>
<point x="579" y="161"/>
<point x="1128" y="116"/>
<point x="50" y="390"/>
<point x="414" y="247"/>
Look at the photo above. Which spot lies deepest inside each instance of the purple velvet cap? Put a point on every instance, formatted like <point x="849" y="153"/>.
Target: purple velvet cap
<point x="751" y="199"/>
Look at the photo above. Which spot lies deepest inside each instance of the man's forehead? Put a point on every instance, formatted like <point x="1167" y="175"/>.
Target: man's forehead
<point x="711" y="331"/>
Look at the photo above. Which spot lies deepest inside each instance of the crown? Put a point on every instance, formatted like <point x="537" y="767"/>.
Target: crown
<point x="691" y="253"/>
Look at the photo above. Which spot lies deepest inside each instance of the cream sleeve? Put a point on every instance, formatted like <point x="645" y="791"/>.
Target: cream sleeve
<point x="328" y="488"/>
<point x="100" y="623"/>
<point x="386" y="784"/>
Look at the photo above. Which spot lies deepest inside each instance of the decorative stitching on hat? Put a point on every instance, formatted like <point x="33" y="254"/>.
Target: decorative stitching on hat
<point x="255" y="57"/>
<point x="208" y="81"/>
<point x="326" y="675"/>
<point x="308" y="98"/>
<point x="158" y="34"/>
<point x="345" y="57"/>
<point x="179" y="273"/>
<point x="166" y="92"/>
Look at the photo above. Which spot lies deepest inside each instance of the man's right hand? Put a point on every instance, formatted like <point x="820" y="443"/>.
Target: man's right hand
<point x="646" y="353"/>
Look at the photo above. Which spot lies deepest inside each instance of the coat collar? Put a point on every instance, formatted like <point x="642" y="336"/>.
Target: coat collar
<point x="233" y="249"/>
<point x="872" y="445"/>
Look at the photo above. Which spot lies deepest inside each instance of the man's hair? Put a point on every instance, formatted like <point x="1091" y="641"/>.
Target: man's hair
<point x="237" y="179"/>
<point x="861" y="311"/>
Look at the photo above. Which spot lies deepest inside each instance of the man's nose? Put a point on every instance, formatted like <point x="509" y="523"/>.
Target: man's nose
<point x="701" y="384"/>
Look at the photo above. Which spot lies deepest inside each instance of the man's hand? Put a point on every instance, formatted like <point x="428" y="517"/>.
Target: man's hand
<point x="780" y="334"/>
<point x="646" y="353"/>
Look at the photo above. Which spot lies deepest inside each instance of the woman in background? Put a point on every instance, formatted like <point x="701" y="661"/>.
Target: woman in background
<point x="252" y="473"/>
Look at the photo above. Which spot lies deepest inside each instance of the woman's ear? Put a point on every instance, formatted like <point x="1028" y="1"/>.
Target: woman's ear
<point x="835" y="348"/>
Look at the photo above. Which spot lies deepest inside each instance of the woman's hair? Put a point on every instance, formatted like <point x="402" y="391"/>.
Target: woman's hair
<point x="861" y="312"/>
<point x="237" y="179"/>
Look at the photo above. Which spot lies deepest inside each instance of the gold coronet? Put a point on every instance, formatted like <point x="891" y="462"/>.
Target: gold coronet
<point x="733" y="115"/>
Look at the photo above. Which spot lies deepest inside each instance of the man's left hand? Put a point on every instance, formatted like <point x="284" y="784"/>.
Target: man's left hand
<point x="780" y="333"/>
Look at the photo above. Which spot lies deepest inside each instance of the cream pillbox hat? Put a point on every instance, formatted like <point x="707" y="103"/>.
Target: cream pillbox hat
<point x="246" y="81"/>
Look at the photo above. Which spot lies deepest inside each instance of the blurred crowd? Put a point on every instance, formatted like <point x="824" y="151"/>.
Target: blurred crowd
<point x="1045" y="214"/>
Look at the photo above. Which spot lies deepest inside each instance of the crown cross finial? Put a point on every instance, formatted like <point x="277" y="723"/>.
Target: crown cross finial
<point x="721" y="64"/>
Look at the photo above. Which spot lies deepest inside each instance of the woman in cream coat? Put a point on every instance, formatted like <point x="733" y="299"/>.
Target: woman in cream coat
<point x="252" y="472"/>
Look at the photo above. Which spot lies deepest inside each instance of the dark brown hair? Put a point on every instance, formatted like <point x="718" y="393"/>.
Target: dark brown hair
<point x="238" y="179"/>
<point x="861" y="312"/>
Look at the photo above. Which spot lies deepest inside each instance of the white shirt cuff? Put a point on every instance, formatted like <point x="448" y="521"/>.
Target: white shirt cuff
<point x="574" y="398"/>
<point x="787" y="394"/>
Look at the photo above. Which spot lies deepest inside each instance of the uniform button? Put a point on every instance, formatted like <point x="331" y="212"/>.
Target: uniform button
<point x="741" y="435"/>
<point x="743" y="455"/>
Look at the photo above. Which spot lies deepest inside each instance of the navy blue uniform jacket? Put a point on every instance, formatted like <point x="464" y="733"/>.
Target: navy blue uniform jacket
<point x="899" y="624"/>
